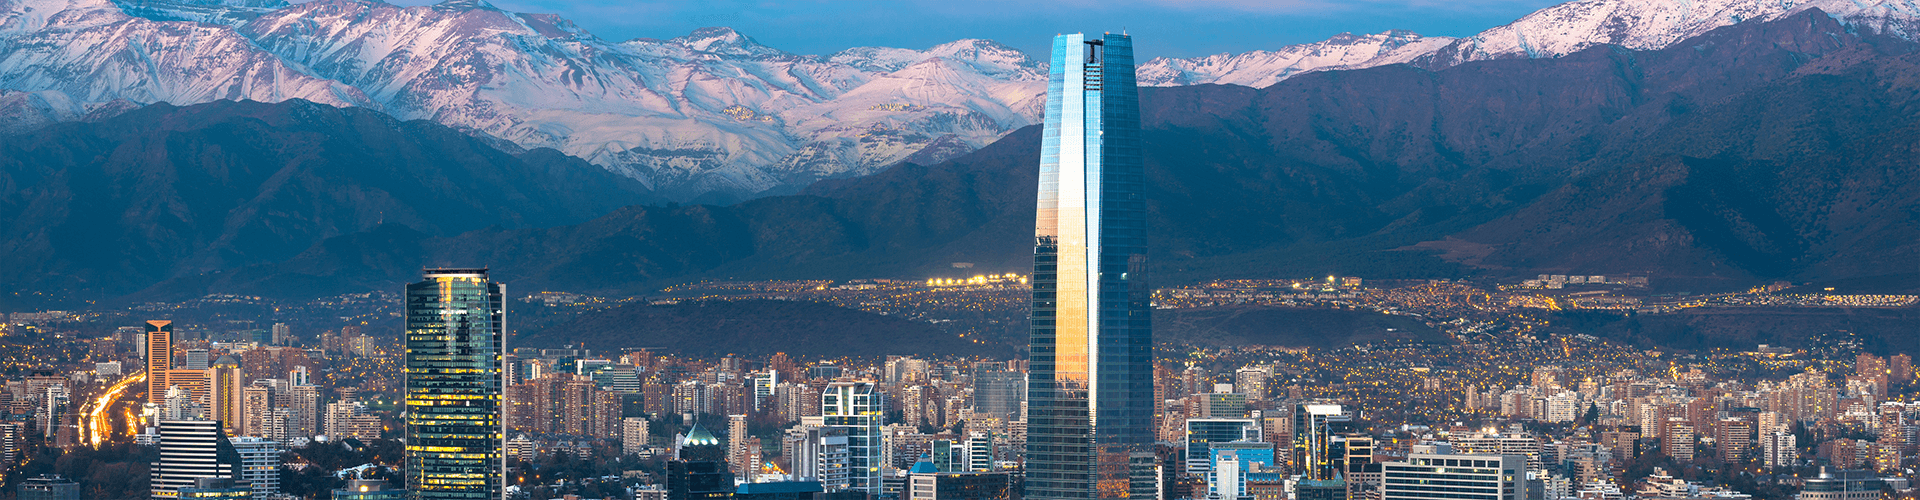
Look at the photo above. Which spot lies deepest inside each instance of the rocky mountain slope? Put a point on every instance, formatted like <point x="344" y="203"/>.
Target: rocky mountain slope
<point x="92" y="52"/>
<point x="1758" y="151"/>
<point x="712" y="116"/>
<point x="709" y="113"/>
<point x="1653" y="24"/>
<point x="163" y="192"/>
<point x="1262" y="68"/>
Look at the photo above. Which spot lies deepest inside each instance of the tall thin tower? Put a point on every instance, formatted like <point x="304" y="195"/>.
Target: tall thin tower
<point x="1090" y="389"/>
<point x="456" y="324"/>
<point x="159" y="359"/>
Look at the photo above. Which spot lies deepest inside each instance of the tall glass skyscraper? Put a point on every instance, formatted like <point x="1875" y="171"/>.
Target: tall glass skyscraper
<point x="1090" y="390"/>
<point x="455" y="329"/>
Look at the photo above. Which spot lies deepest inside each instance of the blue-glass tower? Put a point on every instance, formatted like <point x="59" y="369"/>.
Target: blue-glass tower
<point x="1090" y="390"/>
<point x="456" y="326"/>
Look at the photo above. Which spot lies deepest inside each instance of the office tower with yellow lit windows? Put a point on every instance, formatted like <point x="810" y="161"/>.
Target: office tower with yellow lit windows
<point x="455" y="334"/>
<point x="159" y="359"/>
<point x="1090" y="385"/>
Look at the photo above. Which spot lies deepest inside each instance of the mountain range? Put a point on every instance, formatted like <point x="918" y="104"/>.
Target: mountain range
<point x="161" y="192"/>
<point x="1778" y="147"/>
<point x="1754" y="152"/>
<point x="712" y="116"/>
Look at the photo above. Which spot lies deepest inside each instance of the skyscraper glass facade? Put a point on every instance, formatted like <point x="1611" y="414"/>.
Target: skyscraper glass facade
<point x="455" y="329"/>
<point x="1090" y="388"/>
<point x="858" y="409"/>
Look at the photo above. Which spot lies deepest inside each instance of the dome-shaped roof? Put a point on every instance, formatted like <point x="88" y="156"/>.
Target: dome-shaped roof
<point x="699" y="436"/>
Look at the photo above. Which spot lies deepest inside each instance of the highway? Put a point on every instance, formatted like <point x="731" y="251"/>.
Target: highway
<point x="96" y="416"/>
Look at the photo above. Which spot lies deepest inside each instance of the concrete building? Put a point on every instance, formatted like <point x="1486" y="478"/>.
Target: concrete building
<point x="48" y="487"/>
<point x="191" y="450"/>
<point x="259" y="464"/>
<point x="1841" y="485"/>
<point x="1437" y="476"/>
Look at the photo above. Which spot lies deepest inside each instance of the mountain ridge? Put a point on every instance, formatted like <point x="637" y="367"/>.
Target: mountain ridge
<point x="712" y="115"/>
<point x="1666" y="163"/>
<point x="162" y="192"/>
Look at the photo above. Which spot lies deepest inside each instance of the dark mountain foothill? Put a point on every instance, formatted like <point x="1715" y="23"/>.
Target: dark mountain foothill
<point x="758" y="328"/>
<point x="1756" y="152"/>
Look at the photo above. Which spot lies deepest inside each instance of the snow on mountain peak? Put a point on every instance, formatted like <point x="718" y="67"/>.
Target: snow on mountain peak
<point x="1652" y="24"/>
<point x="1261" y="68"/>
<point x="464" y="5"/>
<point x="725" y="41"/>
<point x="712" y="110"/>
<point x="986" y="56"/>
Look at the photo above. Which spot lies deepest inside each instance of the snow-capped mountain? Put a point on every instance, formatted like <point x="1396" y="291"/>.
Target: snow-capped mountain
<point x="985" y="56"/>
<point x="92" y="52"/>
<point x="1551" y="32"/>
<point x="1261" y="68"/>
<point x="227" y="12"/>
<point x="1652" y="24"/>
<point x="710" y="112"/>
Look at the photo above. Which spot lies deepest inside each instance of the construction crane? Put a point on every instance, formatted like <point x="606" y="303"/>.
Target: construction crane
<point x="358" y="471"/>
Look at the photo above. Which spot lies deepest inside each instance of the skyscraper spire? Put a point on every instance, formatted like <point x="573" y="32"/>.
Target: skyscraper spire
<point x="1090" y="414"/>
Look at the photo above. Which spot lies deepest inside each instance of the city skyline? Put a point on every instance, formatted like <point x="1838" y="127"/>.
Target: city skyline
<point x="1593" y="250"/>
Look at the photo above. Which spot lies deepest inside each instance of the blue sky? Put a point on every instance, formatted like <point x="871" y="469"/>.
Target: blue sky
<point x="1174" y="28"/>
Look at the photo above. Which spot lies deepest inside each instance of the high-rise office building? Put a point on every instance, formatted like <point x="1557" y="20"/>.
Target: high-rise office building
<point x="55" y="410"/>
<point x="191" y="450"/>
<point x="1202" y="433"/>
<point x="455" y="331"/>
<point x="226" y="395"/>
<point x="858" y="408"/>
<point x="1090" y="384"/>
<point x="998" y="391"/>
<point x="259" y="464"/>
<point x="1227" y="478"/>
<point x="763" y="386"/>
<point x="1314" y="428"/>
<point x="698" y="470"/>
<point x="817" y="454"/>
<point x="197" y="359"/>
<point x="159" y="359"/>
<point x="1446" y="476"/>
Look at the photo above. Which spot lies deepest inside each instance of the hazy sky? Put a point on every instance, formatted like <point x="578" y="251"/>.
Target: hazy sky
<point x="1177" y="28"/>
